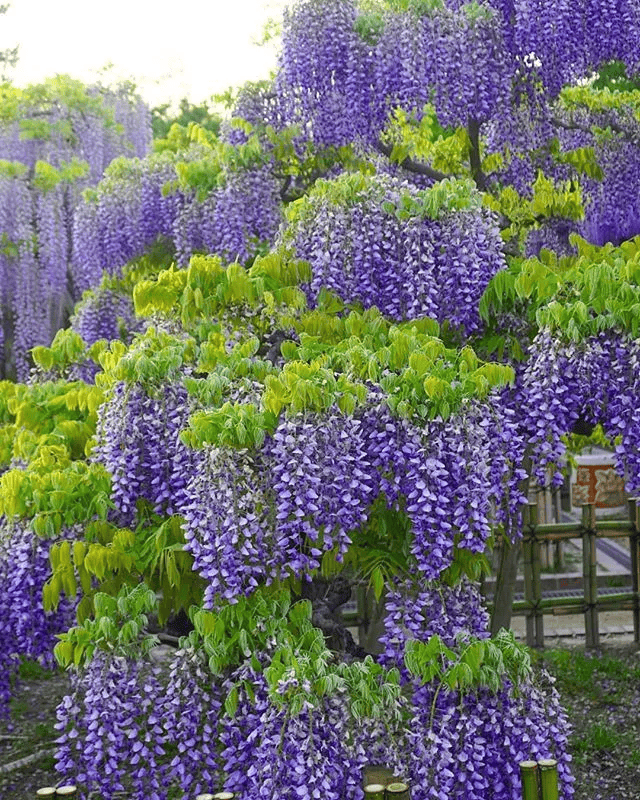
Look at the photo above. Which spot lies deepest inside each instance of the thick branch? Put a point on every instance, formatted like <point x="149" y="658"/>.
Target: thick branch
<point x="326" y="598"/>
<point x="508" y="568"/>
<point x="475" y="162"/>
<point x="412" y="166"/>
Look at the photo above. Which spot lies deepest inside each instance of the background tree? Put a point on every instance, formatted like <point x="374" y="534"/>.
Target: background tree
<point x="8" y="57"/>
<point x="55" y="140"/>
<point x="163" y="117"/>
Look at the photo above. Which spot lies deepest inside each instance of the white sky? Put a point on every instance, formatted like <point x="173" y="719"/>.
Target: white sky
<point x="169" y="48"/>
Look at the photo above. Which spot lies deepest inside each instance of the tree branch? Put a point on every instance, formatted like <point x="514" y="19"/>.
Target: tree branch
<point x="475" y="163"/>
<point x="575" y="126"/>
<point x="412" y="166"/>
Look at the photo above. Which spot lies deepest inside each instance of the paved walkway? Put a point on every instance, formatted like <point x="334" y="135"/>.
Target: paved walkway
<point x="561" y="630"/>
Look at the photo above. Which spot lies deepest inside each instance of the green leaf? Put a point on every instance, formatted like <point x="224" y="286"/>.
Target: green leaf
<point x="231" y="702"/>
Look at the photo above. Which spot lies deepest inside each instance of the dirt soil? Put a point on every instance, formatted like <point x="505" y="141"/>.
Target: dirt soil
<point x="27" y="739"/>
<point x="601" y="692"/>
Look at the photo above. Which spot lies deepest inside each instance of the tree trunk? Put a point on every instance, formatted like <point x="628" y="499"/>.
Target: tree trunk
<point x="508" y="567"/>
<point x="505" y="584"/>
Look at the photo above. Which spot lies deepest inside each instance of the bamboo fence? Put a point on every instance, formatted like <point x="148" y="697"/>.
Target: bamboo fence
<point x="589" y="529"/>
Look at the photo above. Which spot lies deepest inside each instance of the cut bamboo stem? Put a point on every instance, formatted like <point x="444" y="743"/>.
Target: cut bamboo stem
<point x="46" y="791"/>
<point x="397" y="791"/>
<point x="374" y="791"/>
<point x="548" y="778"/>
<point x="67" y="791"/>
<point x="529" y="777"/>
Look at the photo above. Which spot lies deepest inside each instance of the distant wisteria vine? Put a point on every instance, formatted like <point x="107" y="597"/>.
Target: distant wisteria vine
<point x="56" y="141"/>
<point x="26" y="629"/>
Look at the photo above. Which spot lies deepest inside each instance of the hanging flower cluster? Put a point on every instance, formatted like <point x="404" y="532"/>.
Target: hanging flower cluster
<point x="468" y="744"/>
<point x="255" y="515"/>
<point x="161" y="732"/>
<point x="105" y="313"/>
<point x="467" y="59"/>
<point x="450" y="613"/>
<point x="176" y="726"/>
<point x="131" y="209"/>
<point x="380" y="241"/>
<point x="138" y="442"/>
<point x="123" y="216"/>
<point x="595" y="380"/>
<point x="109" y="728"/>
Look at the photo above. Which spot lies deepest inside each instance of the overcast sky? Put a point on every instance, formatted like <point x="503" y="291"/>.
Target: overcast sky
<point x="170" y="48"/>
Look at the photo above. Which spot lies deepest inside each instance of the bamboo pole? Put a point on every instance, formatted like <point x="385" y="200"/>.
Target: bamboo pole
<point x="634" y="541"/>
<point x="205" y="796"/>
<point x="67" y="791"/>
<point x="397" y="791"/>
<point x="589" y="572"/>
<point x="612" y="527"/>
<point x="564" y="530"/>
<point x="529" y="777"/>
<point x="548" y="778"/>
<point x="223" y="796"/>
<point x="374" y="791"/>
<point x="46" y="791"/>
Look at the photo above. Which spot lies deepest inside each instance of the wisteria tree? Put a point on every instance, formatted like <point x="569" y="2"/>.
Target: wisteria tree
<point x="366" y="315"/>
<point x="55" y="141"/>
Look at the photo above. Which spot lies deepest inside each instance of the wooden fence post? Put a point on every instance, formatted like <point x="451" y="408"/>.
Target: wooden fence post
<point x="634" y="543"/>
<point x="590" y="576"/>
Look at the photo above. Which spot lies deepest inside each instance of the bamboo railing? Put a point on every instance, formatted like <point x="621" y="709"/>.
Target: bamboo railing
<point x="589" y="529"/>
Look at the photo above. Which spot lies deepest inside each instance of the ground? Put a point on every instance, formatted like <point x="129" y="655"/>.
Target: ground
<point x="601" y="693"/>
<point x="27" y="739"/>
